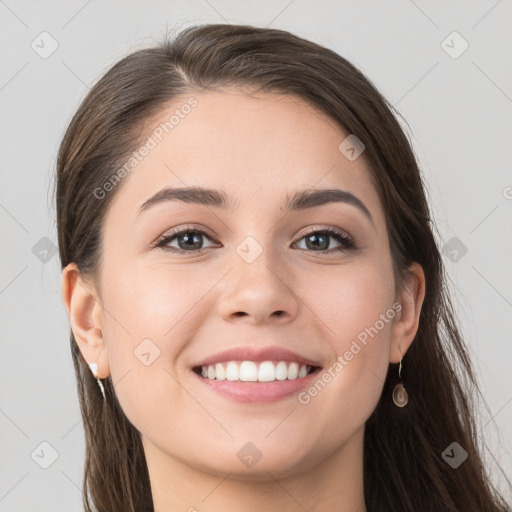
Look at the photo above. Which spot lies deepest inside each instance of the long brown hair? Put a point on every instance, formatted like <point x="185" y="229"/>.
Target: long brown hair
<point x="403" y="465"/>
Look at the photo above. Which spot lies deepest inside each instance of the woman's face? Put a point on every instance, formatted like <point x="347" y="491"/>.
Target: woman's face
<point x="256" y="280"/>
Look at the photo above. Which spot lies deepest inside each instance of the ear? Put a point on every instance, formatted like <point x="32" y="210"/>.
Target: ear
<point x="407" y="320"/>
<point x="86" y="317"/>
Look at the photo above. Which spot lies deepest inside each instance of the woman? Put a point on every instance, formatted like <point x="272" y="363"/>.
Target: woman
<point x="257" y="301"/>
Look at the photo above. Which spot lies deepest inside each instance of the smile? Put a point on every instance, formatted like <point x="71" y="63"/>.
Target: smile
<point x="250" y="382"/>
<point x="251" y="371"/>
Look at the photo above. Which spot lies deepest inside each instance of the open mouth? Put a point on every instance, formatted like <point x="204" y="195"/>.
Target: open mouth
<point x="251" y="371"/>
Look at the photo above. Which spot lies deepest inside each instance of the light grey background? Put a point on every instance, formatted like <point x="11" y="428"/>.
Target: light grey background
<point x="458" y="111"/>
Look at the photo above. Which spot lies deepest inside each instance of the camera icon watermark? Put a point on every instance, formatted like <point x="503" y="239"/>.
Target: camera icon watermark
<point x="454" y="249"/>
<point x="44" y="45"/>
<point x="44" y="455"/>
<point x="351" y="147"/>
<point x="249" y="249"/>
<point x="146" y="352"/>
<point x="44" y="250"/>
<point x="249" y="455"/>
<point x="455" y="455"/>
<point x="454" y="45"/>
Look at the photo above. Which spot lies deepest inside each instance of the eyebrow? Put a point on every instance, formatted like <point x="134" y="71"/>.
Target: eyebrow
<point x="300" y="200"/>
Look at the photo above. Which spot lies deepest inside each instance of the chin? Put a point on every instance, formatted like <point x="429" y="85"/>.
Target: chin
<point x="249" y="463"/>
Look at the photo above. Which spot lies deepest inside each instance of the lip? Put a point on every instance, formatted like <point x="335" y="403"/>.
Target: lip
<point x="258" y="392"/>
<point x="256" y="354"/>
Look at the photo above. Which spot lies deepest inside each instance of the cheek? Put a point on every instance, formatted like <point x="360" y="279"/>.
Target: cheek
<point x="155" y="303"/>
<point x="355" y="307"/>
<point x="151" y="316"/>
<point x="351" y="300"/>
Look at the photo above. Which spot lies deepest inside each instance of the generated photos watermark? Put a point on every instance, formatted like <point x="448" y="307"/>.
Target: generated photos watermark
<point x="151" y="143"/>
<point x="328" y="374"/>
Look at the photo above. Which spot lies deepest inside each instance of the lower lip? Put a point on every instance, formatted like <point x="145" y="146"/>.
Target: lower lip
<point x="260" y="392"/>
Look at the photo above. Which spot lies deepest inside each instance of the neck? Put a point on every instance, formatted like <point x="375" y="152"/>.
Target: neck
<point x="336" y="483"/>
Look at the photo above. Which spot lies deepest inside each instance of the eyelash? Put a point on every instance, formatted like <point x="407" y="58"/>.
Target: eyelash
<point x="347" y="242"/>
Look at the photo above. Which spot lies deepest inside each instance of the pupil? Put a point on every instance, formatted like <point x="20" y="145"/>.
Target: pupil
<point x="315" y="238"/>
<point x="190" y="241"/>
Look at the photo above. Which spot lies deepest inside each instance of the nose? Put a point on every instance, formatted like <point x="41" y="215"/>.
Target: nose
<point x="258" y="292"/>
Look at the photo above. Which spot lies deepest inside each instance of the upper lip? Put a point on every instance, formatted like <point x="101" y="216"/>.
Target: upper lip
<point x="256" y="354"/>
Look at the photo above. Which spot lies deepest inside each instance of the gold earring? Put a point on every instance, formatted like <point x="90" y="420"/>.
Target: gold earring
<point x="94" y="369"/>
<point x="400" y="396"/>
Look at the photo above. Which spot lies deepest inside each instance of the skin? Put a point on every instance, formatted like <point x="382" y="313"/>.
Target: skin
<point x="257" y="149"/>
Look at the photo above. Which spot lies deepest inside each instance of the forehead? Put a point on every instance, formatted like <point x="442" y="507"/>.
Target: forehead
<point x="258" y="148"/>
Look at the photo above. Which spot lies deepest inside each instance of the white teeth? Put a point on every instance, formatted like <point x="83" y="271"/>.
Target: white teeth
<point x="231" y="371"/>
<point x="266" y="372"/>
<point x="293" y="371"/>
<point x="281" y="371"/>
<point x="249" y="371"/>
<point x="220" y="374"/>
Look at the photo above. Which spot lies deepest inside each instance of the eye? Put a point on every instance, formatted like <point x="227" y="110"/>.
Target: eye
<point x="188" y="240"/>
<point x="318" y="240"/>
<point x="191" y="240"/>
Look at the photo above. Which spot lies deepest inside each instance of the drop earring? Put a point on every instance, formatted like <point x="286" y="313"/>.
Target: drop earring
<point x="400" y="396"/>
<point x="94" y="369"/>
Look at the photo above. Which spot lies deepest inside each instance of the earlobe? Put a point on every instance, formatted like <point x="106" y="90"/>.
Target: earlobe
<point x="85" y="317"/>
<point x="406" y="325"/>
